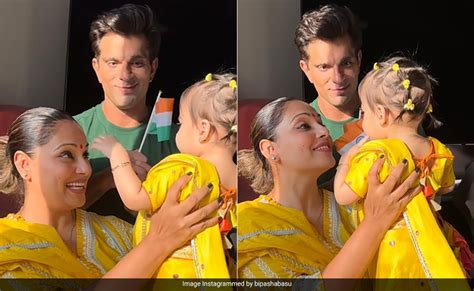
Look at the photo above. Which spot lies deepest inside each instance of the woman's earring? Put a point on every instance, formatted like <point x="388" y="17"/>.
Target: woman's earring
<point x="273" y="157"/>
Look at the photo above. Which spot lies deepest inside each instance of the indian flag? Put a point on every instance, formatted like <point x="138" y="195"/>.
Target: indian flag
<point x="160" y="120"/>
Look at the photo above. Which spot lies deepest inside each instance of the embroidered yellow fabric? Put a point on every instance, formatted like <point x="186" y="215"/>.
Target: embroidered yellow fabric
<point x="206" y="259"/>
<point x="415" y="246"/>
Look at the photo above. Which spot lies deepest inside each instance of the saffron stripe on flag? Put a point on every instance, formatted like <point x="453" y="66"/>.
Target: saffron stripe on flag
<point x="164" y="105"/>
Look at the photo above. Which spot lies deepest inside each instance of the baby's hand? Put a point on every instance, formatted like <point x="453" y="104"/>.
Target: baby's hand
<point x="104" y="144"/>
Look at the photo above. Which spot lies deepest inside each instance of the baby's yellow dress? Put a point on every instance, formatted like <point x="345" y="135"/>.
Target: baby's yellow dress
<point x="414" y="247"/>
<point x="204" y="257"/>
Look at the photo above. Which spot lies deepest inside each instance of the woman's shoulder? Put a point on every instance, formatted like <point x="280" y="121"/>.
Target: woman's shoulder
<point x="258" y="205"/>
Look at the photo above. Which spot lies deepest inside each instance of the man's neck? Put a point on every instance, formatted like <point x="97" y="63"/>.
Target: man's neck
<point x="124" y="118"/>
<point x="338" y="113"/>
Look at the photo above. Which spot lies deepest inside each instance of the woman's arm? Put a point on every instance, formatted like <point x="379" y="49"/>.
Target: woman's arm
<point x="382" y="207"/>
<point x="129" y="185"/>
<point x="171" y="227"/>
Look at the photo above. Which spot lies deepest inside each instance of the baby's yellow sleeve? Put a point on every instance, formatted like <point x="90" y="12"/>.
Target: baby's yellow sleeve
<point x="449" y="178"/>
<point x="360" y="166"/>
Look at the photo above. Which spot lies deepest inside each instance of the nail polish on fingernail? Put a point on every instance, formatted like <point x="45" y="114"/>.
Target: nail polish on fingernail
<point x="189" y="173"/>
<point x="220" y="200"/>
<point x="417" y="170"/>
<point x="404" y="161"/>
<point x="210" y="185"/>
<point x="381" y="156"/>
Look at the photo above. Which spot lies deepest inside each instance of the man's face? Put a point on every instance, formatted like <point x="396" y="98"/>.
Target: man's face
<point x="124" y="69"/>
<point x="333" y="68"/>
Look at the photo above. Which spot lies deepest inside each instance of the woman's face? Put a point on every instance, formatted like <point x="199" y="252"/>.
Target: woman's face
<point x="60" y="169"/>
<point x="302" y="142"/>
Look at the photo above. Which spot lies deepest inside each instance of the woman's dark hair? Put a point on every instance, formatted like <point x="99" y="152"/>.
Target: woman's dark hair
<point x="251" y="163"/>
<point x="30" y="130"/>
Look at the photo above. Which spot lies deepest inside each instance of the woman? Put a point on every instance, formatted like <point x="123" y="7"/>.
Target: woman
<point x="44" y="160"/>
<point x="297" y="229"/>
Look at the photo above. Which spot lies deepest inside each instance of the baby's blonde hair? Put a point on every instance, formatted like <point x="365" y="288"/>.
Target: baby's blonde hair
<point x="215" y="99"/>
<point x="394" y="82"/>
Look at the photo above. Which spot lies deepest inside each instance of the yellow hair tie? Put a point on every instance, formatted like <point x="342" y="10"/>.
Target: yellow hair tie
<point x="376" y="66"/>
<point x="406" y="84"/>
<point x="208" y="77"/>
<point x="395" y="67"/>
<point x="430" y="109"/>
<point x="233" y="128"/>
<point x="409" y="106"/>
<point x="233" y="84"/>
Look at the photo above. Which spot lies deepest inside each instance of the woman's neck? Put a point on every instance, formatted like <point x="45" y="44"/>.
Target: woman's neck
<point x="297" y="191"/>
<point x="39" y="212"/>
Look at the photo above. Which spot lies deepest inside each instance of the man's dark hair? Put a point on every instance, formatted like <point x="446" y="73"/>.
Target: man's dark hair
<point x="128" y="20"/>
<point x="328" y="23"/>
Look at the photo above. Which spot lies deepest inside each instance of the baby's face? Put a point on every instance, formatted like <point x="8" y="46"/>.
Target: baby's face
<point x="187" y="138"/>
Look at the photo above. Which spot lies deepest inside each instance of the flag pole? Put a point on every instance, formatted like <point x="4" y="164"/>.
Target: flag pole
<point x="148" y="125"/>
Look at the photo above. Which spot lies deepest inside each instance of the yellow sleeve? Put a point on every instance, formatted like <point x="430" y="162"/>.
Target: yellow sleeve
<point x="358" y="173"/>
<point x="449" y="178"/>
<point x="162" y="176"/>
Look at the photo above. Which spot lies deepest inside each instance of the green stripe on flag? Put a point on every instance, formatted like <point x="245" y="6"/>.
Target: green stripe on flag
<point x="163" y="133"/>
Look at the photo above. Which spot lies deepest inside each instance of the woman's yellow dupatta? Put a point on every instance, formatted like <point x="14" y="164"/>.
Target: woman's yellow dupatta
<point x="204" y="257"/>
<point x="268" y="229"/>
<point x="30" y="250"/>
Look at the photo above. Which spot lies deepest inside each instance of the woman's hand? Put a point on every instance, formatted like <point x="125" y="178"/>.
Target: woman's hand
<point x="384" y="204"/>
<point x="176" y="223"/>
<point x="172" y="226"/>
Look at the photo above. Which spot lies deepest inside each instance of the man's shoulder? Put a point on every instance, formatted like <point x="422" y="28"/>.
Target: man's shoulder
<point x="87" y="116"/>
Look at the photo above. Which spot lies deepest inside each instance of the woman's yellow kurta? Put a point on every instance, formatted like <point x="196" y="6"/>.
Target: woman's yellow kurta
<point x="32" y="250"/>
<point x="275" y="241"/>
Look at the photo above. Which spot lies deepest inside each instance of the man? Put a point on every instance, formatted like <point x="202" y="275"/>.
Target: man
<point x="125" y="42"/>
<point x="329" y="41"/>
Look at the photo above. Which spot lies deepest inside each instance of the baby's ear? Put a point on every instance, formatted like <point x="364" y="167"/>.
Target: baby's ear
<point x="382" y="114"/>
<point x="205" y="130"/>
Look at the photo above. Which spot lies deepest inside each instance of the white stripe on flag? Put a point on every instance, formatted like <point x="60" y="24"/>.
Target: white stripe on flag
<point x="162" y="119"/>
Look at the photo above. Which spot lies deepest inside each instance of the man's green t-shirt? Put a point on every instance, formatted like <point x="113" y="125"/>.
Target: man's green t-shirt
<point x="94" y="123"/>
<point x="335" y="128"/>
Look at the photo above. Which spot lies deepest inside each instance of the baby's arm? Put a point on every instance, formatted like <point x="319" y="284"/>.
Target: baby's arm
<point x="129" y="186"/>
<point x="344" y="194"/>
